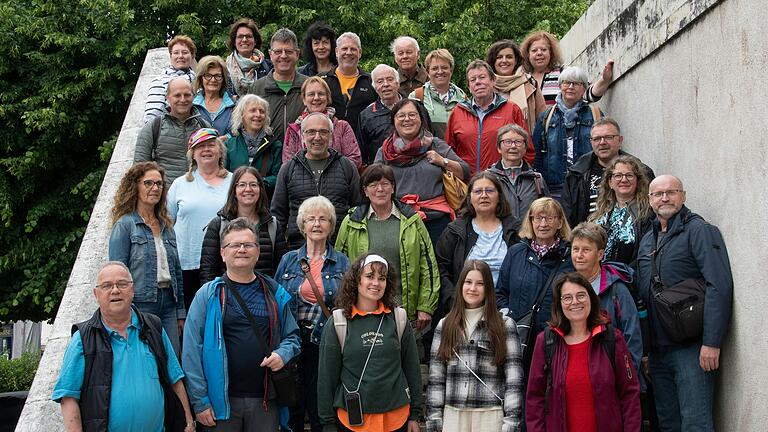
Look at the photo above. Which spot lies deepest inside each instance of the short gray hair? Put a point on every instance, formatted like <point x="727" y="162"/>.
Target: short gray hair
<point x="110" y="264"/>
<point x="318" y="202"/>
<point x="573" y="74"/>
<point x="284" y="35"/>
<point x="397" y="40"/>
<point x="514" y="128"/>
<point x="349" y="35"/>
<point x="239" y="224"/>
<point x="317" y="114"/>
<point x="381" y="68"/>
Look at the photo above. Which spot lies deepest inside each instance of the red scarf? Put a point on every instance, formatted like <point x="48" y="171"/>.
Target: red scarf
<point x="400" y="153"/>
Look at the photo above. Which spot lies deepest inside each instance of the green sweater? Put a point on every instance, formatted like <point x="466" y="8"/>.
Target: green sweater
<point x="392" y="378"/>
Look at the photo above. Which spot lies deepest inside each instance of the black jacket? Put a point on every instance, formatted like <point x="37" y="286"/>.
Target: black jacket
<point x="339" y="182"/>
<point x="375" y="126"/>
<point x="363" y="94"/>
<point x="691" y="249"/>
<point x="453" y="247"/>
<point x="575" y="197"/>
<point x="97" y="377"/>
<point x="211" y="264"/>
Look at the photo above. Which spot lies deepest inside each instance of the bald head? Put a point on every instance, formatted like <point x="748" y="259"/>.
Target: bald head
<point x="667" y="197"/>
<point x="667" y="179"/>
<point x="179" y="96"/>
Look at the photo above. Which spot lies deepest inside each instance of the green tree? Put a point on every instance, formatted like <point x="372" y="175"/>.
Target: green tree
<point x="67" y="72"/>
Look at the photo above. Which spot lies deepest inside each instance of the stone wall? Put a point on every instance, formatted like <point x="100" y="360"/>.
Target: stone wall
<point x="691" y="102"/>
<point x="40" y="413"/>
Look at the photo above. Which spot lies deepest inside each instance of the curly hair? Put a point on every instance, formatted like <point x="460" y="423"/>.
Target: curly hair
<point x="127" y="195"/>
<point x="317" y="31"/>
<point x="555" y="58"/>
<point x="347" y="295"/>
<point x="606" y="197"/>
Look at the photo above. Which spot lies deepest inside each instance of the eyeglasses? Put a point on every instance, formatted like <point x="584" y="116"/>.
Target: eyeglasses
<point x="244" y="37"/>
<point x="280" y="52"/>
<point x="382" y="184"/>
<point x="621" y="176"/>
<point x="316" y="220"/>
<point x="409" y="115"/>
<point x="180" y="53"/>
<point x="216" y="77"/>
<point x="599" y="139"/>
<point x="244" y="185"/>
<point x="580" y="298"/>
<point x="150" y="183"/>
<point x="313" y="95"/>
<point x="540" y="219"/>
<point x="568" y="84"/>
<point x="669" y="193"/>
<point x="512" y="143"/>
<point x="439" y="68"/>
<point x="121" y="285"/>
<point x="312" y="132"/>
<point x="487" y="191"/>
<point x="237" y="245"/>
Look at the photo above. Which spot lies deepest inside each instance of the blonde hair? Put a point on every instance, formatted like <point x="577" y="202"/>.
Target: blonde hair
<point x="192" y="163"/>
<point x="548" y="206"/>
<point x="439" y="54"/>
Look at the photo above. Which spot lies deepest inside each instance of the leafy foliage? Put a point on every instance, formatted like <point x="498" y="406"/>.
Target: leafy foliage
<point x="67" y="72"/>
<point x="17" y="374"/>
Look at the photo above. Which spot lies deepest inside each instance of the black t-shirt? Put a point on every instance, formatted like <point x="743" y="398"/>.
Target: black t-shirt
<point x="244" y="351"/>
<point x="317" y="167"/>
<point x="595" y="178"/>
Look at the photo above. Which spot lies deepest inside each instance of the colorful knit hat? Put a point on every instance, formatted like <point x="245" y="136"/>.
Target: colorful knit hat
<point x="202" y="135"/>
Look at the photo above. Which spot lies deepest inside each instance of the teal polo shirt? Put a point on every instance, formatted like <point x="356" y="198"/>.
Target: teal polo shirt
<point x="137" y="402"/>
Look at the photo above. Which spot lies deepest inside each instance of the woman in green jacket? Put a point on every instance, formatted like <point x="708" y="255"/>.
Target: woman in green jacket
<point x="395" y="231"/>
<point x="251" y="142"/>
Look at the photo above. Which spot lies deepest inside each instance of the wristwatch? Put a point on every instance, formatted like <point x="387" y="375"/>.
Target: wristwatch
<point x="445" y="162"/>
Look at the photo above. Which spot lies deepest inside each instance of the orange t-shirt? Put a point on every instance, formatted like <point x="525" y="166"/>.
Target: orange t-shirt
<point x="378" y="422"/>
<point x="315" y="271"/>
<point x="346" y="82"/>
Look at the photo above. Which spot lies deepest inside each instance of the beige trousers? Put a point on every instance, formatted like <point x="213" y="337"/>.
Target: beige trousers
<point x="472" y="420"/>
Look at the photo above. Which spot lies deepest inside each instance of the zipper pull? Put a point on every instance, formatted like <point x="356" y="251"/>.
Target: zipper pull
<point x="628" y="366"/>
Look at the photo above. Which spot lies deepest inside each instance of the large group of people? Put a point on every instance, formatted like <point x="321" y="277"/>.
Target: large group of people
<point x="292" y="243"/>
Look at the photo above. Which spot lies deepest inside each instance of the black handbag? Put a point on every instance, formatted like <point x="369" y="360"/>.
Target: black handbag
<point x="526" y="323"/>
<point x="286" y="380"/>
<point x="680" y="307"/>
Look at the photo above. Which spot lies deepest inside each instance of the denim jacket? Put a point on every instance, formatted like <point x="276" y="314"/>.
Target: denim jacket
<point x="133" y="244"/>
<point x="551" y="149"/>
<point x="290" y="277"/>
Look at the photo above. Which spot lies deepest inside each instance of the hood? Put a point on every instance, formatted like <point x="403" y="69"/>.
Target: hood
<point x="612" y="272"/>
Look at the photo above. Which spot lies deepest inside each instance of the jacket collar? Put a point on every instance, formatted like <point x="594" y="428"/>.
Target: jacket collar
<point x="359" y="213"/>
<point x="613" y="272"/>
<point x="466" y="104"/>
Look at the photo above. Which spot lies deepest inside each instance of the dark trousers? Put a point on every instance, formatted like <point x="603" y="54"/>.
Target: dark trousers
<point x="308" y="361"/>
<point x="191" y="280"/>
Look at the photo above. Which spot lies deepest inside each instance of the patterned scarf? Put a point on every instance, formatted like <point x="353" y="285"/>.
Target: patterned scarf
<point x="570" y="115"/>
<point x="243" y="70"/>
<point x="253" y="141"/>
<point x="400" y="153"/>
<point x="542" y="249"/>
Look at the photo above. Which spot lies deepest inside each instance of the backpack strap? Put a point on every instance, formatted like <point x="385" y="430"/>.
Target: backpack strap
<point x="401" y="320"/>
<point x="549" y="348"/>
<point x="340" y="325"/>
<point x="596" y="114"/>
<point x="547" y="119"/>
<point x="272" y="230"/>
<point x="537" y="183"/>
<point x="419" y="94"/>
<point x="609" y="344"/>
<point x="156" y="122"/>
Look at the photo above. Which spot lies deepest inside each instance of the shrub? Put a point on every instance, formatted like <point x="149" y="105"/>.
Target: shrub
<point x="17" y="374"/>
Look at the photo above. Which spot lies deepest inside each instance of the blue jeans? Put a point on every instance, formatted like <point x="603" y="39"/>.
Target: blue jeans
<point x="683" y="392"/>
<point x="165" y="309"/>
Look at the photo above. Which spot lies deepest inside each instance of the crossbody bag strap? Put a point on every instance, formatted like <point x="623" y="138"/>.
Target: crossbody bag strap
<point x="319" y="297"/>
<point x="248" y="314"/>
<point x="478" y="378"/>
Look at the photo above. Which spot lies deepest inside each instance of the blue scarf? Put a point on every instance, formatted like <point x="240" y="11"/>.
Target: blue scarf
<point x="570" y="115"/>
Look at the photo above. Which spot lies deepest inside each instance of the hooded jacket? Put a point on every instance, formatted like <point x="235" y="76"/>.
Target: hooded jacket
<point x="474" y="140"/>
<point x="616" y="391"/>
<point x="453" y="248"/>
<point x="691" y="248"/>
<point x="617" y="301"/>
<point x="528" y="187"/>
<point x="419" y="275"/>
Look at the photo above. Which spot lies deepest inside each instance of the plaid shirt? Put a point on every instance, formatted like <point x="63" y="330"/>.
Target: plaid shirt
<point x="307" y="310"/>
<point x="450" y="383"/>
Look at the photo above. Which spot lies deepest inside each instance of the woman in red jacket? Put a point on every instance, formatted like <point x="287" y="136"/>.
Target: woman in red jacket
<point x="577" y="386"/>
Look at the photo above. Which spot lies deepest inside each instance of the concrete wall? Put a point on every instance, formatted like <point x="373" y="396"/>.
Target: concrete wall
<point x="691" y="101"/>
<point x="40" y="413"/>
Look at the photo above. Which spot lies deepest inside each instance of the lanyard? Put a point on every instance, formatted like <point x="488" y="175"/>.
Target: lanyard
<point x="366" y="360"/>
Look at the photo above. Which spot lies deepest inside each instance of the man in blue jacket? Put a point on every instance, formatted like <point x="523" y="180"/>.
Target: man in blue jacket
<point x="228" y="365"/>
<point x="685" y="246"/>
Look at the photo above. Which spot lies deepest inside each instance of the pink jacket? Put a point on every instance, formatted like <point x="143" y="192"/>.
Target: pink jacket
<point x="617" y="394"/>
<point x="343" y="140"/>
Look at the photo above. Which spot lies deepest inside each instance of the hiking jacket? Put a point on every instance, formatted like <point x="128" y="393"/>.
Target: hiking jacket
<point x="270" y="149"/>
<point x="220" y="120"/>
<point x="270" y="250"/>
<point x="528" y="187"/>
<point x="575" y="196"/>
<point x="522" y="275"/>
<point x="132" y="243"/>
<point x="283" y="108"/>
<point x="551" y="147"/>
<point x="170" y="151"/>
<point x="452" y="384"/>
<point x="616" y="392"/>
<point x="204" y="356"/>
<point x="617" y="301"/>
<point x="291" y="277"/>
<point x="437" y="109"/>
<point x="339" y="182"/>
<point x="374" y="127"/>
<point x="452" y="250"/>
<point x="691" y="248"/>
<point x="363" y="94"/>
<point x="419" y="275"/>
<point x="475" y="140"/>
